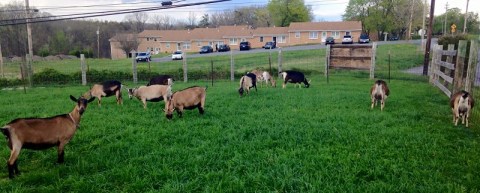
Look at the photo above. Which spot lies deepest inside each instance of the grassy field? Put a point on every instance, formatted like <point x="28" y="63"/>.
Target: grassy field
<point x="321" y="139"/>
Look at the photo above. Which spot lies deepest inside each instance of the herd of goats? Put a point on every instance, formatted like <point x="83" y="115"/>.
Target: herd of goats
<point x="43" y="133"/>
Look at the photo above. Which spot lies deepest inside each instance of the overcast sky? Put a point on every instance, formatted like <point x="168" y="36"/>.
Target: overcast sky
<point x="324" y="10"/>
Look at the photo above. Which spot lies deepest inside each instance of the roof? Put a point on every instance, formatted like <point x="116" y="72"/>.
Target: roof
<point x="167" y="35"/>
<point x="326" y="26"/>
<point x="128" y="36"/>
<point x="265" y="31"/>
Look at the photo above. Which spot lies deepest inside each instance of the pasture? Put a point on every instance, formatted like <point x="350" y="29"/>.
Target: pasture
<point x="321" y="139"/>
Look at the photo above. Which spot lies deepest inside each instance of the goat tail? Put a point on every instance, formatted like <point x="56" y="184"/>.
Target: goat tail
<point x="5" y="132"/>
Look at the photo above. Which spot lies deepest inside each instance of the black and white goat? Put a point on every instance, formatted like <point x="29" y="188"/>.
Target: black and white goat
<point x="294" y="77"/>
<point x="42" y="133"/>
<point x="106" y="89"/>
<point x="461" y="104"/>
<point x="246" y="82"/>
<point x="161" y="80"/>
<point x="189" y="98"/>
<point x="379" y="92"/>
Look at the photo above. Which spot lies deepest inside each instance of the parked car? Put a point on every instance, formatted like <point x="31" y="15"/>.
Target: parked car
<point x="363" y="39"/>
<point x="393" y="38"/>
<point x="143" y="56"/>
<point x="347" y="39"/>
<point x="177" y="55"/>
<point x="224" y="48"/>
<point x="329" y="40"/>
<point x="270" y="45"/>
<point x="245" y="46"/>
<point x="206" y="49"/>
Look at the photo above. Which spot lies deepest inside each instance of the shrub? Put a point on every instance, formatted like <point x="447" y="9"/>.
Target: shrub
<point x="451" y="39"/>
<point x="50" y="76"/>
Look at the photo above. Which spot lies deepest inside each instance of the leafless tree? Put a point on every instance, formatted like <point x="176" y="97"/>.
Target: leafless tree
<point x="163" y="22"/>
<point x="137" y="20"/>
<point x="191" y="20"/>
<point x="127" y="42"/>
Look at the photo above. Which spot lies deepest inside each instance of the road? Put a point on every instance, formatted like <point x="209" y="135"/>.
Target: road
<point x="290" y="48"/>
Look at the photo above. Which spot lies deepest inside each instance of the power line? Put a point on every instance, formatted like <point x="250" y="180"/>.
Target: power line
<point x="97" y="14"/>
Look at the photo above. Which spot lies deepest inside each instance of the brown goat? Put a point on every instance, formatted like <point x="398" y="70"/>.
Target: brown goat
<point x="42" y="133"/>
<point x="461" y="104"/>
<point x="189" y="98"/>
<point x="379" y="92"/>
<point x="106" y="89"/>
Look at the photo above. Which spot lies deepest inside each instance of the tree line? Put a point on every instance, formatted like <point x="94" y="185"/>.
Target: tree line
<point x="80" y="36"/>
<point x="398" y="17"/>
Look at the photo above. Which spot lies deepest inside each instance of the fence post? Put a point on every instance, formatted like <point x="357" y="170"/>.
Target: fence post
<point x="477" y="79"/>
<point x="185" y="77"/>
<point x="472" y="65"/>
<point x="84" y="69"/>
<point x="433" y="64"/>
<point x="280" y="62"/>
<point x="1" y="62"/>
<point x="28" y="69"/>
<point x="372" y="66"/>
<point x="327" y="60"/>
<point x="458" y="82"/>
<point x="134" y="68"/>
<point x="232" y="66"/>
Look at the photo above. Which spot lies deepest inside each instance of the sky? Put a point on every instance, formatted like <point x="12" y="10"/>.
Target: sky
<point x="323" y="10"/>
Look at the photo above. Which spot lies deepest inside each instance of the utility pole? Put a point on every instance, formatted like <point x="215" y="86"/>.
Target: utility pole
<point x="429" y="38"/>
<point x="466" y="16"/>
<point x="29" y="30"/>
<point x="423" y="25"/>
<point x="446" y="27"/>
<point x="98" y="41"/>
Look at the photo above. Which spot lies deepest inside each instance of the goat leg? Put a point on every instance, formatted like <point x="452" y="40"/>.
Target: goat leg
<point x="17" y="172"/>
<point x="382" y="102"/>
<point x="61" y="153"/>
<point x="10" y="170"/>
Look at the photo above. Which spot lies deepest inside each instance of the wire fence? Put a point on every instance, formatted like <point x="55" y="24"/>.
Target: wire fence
<point x="391" y="63"/>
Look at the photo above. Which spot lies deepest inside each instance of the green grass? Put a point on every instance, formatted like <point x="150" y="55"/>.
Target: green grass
<point x="321" y="139"/>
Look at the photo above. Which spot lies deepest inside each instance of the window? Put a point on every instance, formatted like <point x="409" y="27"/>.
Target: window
<point x="281" y="39"/>
<point x="313" y="35"/>
<point x="186" y="46"/>
<point x="243" y="40"/>
<point x="261" y="39"/>
<point x="155" y="39"/>
<point x="324" y="34"/>
<point x="336" y="34"/>
<point x="167" y="45"/>
<point x="199" y="44"/>
<point x="347" y="33"/>
<point x="233" y="41"/>
<point x="157" y="49"/>
<point x="148" y="39"/>
<point x="297" y="34"/>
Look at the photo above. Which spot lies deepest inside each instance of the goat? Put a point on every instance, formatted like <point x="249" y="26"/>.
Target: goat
<point x="153" y="93"/>
<point x="379" y="92"/>
<point x="294" y="77"/>
<point x="461" y="104"/>
<point x="161" y="80"/>
<point x="268" y="78"/>
<point x="106" y="89"/>
<point x="264" y="76"/>
<point x="42" y="133"/>
<point x="246" y="82"/>
<point x="189" y="98"/>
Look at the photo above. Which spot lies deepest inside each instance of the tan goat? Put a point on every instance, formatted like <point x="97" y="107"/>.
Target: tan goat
<point x="379" y="92"/>
<point x="246" y="82"/>
<point x="189" y="98"/>
<point x="152" y="93"/>
<point x="42" y="133"/>
<point x="461" y="104"/>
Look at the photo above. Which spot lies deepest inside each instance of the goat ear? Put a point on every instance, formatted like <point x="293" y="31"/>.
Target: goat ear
<point x="91" y="99"/>
<point x="73" y="98"/>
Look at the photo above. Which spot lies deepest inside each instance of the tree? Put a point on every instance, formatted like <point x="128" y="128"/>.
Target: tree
<point x="137" y="20"/>
<point x="191" y="21"/>
<point x="127" y="42"/>
<point x="284" y="12"/>
<point x="204" y="21"/>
